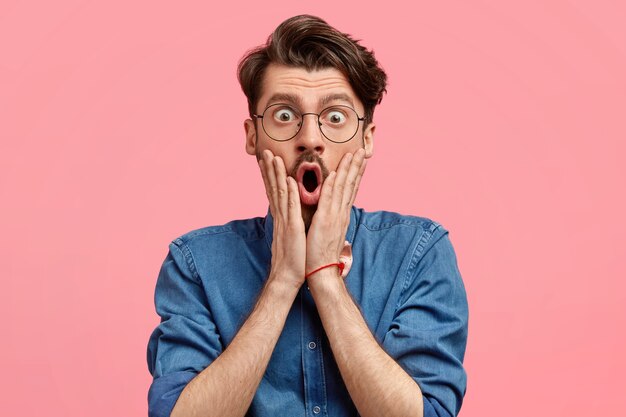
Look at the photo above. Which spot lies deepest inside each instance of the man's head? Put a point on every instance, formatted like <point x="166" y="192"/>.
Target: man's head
<point x="308" y="42"/>
<point x="308" y="68"/>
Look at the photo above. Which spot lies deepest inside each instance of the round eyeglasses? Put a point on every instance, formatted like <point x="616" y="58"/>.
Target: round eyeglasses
<point x="282" y="122"/>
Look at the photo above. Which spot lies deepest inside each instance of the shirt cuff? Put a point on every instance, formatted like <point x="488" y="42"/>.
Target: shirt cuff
<point x="432" y="408"/>
<point x="164" y="392"/>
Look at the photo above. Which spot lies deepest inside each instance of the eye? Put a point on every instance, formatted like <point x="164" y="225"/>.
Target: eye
<point x="335" y="117"/>
<point x="284" y="115"/>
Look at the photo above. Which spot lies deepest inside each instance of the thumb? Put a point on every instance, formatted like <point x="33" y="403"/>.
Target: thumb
<point x="346" y="257"/>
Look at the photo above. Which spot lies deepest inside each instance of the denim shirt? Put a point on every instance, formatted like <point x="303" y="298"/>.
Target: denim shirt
<point x="404" y="278"/>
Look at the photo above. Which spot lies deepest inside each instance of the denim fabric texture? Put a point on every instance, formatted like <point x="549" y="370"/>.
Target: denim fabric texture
<point x="404" y="278"/>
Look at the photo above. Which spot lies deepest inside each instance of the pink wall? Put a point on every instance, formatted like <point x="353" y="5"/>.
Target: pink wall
<point x="121" y="128"/>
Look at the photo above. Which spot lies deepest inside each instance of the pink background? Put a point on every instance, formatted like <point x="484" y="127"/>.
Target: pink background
<point x="121" y="128"/>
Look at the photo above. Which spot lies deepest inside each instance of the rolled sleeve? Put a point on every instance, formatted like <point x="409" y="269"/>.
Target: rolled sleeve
<point x="186" y="341"/>
<point x="428" y="335"/>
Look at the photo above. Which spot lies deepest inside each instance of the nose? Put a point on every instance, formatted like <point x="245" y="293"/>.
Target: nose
<point x="310" y="137"/>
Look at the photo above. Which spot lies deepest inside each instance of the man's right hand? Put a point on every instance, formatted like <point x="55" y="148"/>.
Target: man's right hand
<point x="225" y="388"/>
<point x="289" y="242"/>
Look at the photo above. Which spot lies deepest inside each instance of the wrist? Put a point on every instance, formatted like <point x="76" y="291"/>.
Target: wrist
<point x="339" y="265"/>
<point x="284" y="282"/>
<point x="328" y="279"/>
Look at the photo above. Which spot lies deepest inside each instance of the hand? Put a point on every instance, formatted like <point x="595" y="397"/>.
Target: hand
<point x="289" y="243"/>
<point x="326" y="238"/>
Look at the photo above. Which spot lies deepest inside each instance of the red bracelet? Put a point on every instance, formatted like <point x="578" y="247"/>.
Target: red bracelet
<point x="340" y="265"/>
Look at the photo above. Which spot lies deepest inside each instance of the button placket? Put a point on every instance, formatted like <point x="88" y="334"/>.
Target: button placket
<point x="312" y="358"/>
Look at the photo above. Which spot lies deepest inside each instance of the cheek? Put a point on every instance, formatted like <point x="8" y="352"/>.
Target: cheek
<point x="288" y="159"/>
<point x="263" y="144"/>
<point x="333" y="163"/>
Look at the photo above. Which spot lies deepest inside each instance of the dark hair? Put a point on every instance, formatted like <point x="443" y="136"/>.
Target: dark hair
<point x="311" y="43"/>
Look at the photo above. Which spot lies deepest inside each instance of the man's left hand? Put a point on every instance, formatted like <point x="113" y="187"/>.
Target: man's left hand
<point x="327" y="233"/>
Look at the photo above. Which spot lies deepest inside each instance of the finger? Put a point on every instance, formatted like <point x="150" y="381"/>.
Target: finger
<point x="351" y="178"/>
<point x="281" y="185"/>
<point x="295" y="212"/>
<point x="358" y="182"/>
<point x="339" y="186"/>
<point x="326" y="193"/>
<point x="267" y="185"/>
<point x="346" y="257"/>
<point x="271" y="179"/>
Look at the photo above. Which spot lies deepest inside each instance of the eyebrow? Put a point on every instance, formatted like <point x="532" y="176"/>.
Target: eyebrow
<point x="289" y="98"/>
<point x="294" y="99"/>
<point x="336" y="97"/>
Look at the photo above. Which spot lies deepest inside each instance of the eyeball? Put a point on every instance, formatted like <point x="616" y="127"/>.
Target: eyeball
<point x="284" y="115"/>
<point x="335" y="117"/>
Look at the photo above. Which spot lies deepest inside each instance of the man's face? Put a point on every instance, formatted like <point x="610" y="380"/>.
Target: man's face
<point x="309" y="150"/>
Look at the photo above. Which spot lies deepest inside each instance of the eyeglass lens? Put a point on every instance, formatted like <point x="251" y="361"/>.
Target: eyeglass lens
<point x="283" y="122"/>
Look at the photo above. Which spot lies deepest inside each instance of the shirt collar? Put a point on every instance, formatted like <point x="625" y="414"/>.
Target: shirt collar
<point x="350" y="233"/>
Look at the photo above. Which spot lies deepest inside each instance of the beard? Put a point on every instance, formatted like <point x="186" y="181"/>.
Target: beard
<point x="312" y="157"/>
<point x="309" y="210"/>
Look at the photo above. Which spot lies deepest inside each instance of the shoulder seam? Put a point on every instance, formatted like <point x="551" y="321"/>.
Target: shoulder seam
<point x="224" y="229"/>
<point x="398" y="219"/>
<point x="191" y="264"/>
<point x="416" y="256"/>
<point x="210" y="230"/>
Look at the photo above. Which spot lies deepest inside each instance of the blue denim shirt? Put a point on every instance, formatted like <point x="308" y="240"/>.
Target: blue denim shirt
<point x="404" y="277"/>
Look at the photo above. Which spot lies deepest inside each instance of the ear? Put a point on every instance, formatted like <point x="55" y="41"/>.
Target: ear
<point x="250" y="129"/>
<point x="368" y="140"/>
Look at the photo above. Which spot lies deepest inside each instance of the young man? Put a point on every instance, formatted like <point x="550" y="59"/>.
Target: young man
<point x="319" y="308"/>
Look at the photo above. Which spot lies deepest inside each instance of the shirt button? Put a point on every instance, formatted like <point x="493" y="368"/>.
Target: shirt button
<point x="312" y="345"/>
<point x="316" y="410"/>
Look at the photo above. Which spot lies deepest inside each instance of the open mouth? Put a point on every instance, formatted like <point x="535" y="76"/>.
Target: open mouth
<point x="309" y="178"/>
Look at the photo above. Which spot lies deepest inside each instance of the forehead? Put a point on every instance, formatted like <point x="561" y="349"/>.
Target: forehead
<point x="310" y="89"/>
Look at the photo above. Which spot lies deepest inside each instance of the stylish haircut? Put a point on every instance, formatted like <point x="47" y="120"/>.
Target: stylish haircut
<point x="309" y="42"/>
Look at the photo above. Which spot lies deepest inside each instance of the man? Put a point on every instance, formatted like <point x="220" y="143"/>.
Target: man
<point x="320" y="308"/>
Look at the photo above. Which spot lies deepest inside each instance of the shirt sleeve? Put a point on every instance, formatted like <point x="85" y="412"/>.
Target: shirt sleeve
<point x="428" y="334"/>
<point x="186" y="340"/>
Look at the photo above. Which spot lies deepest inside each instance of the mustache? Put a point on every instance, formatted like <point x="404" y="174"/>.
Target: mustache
<point x="311" y="157"/>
